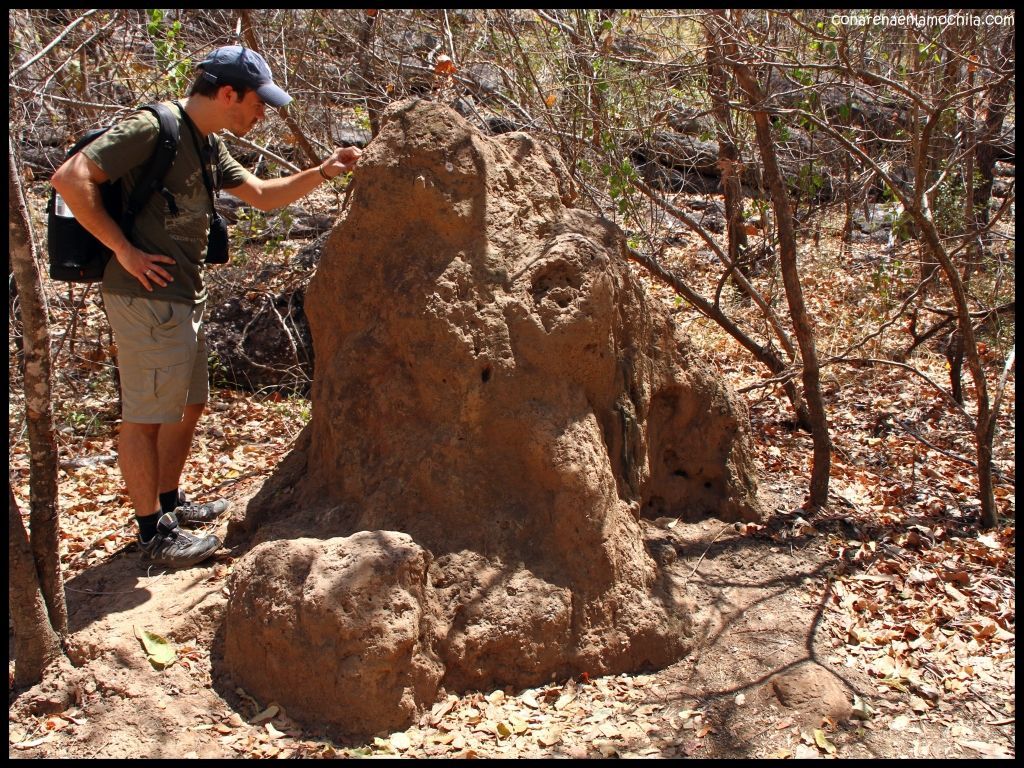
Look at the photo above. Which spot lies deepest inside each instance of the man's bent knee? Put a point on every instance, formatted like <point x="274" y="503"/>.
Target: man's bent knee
<point x="195" y="409"/>
<point x="139" y="428"/>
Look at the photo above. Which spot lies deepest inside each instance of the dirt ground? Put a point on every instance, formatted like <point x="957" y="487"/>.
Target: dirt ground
<point x="767" y="628"/>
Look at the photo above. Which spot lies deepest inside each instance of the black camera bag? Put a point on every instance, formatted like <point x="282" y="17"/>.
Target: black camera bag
<point x="74" y="254"/>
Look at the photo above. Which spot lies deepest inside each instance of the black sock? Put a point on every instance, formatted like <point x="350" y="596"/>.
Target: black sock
<point x="147" y="525"/>
<point x="169" y="501"/>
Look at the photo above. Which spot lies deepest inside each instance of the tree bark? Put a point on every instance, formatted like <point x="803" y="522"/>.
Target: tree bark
<point x="728" y="154"/>
<point x="996" y="104"/>
<point x="35" y="642"/>
<point x="44" y="517"/>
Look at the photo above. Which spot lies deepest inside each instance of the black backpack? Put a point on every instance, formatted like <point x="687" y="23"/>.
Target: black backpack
<point x="75" y="255"/>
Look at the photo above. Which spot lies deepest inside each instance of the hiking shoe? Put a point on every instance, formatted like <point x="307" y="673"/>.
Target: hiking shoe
<point x="172" y="546"/>
<point x="193" y="513"/>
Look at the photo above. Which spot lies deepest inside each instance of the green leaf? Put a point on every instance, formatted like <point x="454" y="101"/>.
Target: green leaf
<point x="159" y="650"/>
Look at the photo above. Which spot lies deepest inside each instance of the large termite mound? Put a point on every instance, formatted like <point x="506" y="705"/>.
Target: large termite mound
<point x="496" y="402"/>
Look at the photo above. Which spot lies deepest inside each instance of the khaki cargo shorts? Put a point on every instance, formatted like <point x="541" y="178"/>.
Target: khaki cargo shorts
<point x="161" y="357"/>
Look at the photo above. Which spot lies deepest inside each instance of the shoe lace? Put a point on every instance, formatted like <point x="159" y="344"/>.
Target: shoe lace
<point x="176" y="535"/>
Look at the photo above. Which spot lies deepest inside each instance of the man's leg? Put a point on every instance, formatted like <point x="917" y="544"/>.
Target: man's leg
<point x="161" y="540"/>
<point x="138" y="457"/>
<point x="176" y="442"/>
<point x="154" y="388"/>
<point x="174" y="445"/>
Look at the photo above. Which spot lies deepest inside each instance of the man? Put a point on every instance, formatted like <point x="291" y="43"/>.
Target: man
<point x="153" y="289"/>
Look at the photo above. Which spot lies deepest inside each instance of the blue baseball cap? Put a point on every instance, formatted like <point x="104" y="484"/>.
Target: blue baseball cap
<point x="235" y="65"/>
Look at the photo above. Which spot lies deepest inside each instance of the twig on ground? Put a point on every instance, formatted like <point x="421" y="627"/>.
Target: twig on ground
<point x="701" y="559"/>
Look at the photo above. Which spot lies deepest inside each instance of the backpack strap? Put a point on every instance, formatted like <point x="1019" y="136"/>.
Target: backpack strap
<point x="152" y="178"/>
<point x="199" y="151"/>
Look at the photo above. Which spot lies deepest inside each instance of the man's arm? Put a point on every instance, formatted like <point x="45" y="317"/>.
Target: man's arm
<point x="268" y="194"/>
<point x="78" y="182"/>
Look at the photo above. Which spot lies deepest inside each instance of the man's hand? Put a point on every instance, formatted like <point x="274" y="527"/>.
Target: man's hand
<point x="268" y="194"/>
<point x="145" y="267"/>
<point x="342" y="161"/>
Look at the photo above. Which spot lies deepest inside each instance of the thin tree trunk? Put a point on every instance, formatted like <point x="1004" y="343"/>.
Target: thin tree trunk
<point x="35" y="642"/>
<point x="44" y="517"/>
<point x="791" y="278"/>
<point x="994" y="113"/>
<point x="728" y="155"/>
<point x="249" y="36"/>
<point x="985" y="423"/>
<point x="921" y="211"/>
<point x="374" y="108"/>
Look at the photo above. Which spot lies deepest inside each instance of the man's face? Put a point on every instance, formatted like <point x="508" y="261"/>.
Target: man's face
<point x="245" y="113"/>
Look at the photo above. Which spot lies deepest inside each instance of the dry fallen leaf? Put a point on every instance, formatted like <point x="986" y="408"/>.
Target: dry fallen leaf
<point x="400" y="741"/>
<point x="550" y="736"/>
<point x="822" y="741"/>
<point x="899" y="723"/>
<point x="159" y="650"/>
<point x="268" y="713"/>
<point x="861" y="709"/>
<point x="441" y="709"/>
<point x="918" y="704"/>
<point x="565" y="700"/>
<point x="987" y="749"/>
<point x="806" y="753"/>
<point x="444" y="66"/>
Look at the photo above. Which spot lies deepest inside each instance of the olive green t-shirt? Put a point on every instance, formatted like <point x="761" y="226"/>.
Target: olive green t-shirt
<point x="122" y="153"/>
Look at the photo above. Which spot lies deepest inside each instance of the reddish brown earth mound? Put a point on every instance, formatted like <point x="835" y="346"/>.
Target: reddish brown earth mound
<point x="493" y="383"/>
